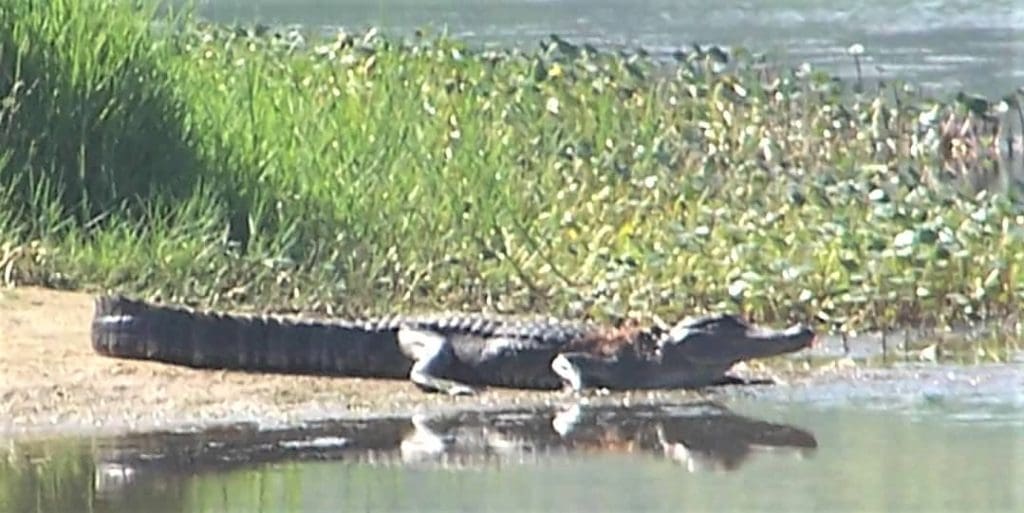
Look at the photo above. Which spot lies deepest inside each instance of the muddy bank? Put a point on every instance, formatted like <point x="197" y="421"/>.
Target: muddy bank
<point x="53" y="384"/>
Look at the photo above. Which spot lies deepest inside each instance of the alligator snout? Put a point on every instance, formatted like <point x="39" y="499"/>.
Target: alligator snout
<point x="801" y="334"/>
<point x="727" y="338"/>
<point x="766" y="342"/>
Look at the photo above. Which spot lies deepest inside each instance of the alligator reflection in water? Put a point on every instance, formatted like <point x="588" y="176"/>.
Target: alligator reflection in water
<point x="701" y="436"/>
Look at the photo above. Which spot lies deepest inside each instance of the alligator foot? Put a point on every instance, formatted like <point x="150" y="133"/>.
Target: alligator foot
<point x="568" y="371"/>
<point x="580" y="370"/>
<point x="432" y="355"/>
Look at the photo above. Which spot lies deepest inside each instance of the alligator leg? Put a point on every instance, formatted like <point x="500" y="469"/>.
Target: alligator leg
<point x="432" y="354"/>
<point x="581" y="370"/>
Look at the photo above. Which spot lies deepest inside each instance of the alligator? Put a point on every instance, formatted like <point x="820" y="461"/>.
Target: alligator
<point x="451" y="353"/>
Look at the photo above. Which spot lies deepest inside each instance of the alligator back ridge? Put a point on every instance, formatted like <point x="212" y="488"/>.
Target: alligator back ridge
<point x="129" y="328"/>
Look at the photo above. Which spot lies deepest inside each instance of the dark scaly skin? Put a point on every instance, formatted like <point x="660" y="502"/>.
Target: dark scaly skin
<point x="128" y="328"/>
<point x="451" y="353"/>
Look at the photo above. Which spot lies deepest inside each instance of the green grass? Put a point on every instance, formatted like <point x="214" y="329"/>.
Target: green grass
<point x="201" y="164"/>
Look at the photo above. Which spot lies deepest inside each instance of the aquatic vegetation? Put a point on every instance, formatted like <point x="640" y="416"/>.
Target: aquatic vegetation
<point x="56" y="477"/>
<point x="354" y="171"/>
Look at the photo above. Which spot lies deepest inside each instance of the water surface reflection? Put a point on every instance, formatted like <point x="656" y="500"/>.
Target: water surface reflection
<point x="927" y="452"/>
<point x="160" y="471"/>
<point x="702" y="436"/>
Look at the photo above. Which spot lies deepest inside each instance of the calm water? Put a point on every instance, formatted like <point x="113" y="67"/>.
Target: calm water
<point x="947" y="44"/>
<point x="913" y="450"/>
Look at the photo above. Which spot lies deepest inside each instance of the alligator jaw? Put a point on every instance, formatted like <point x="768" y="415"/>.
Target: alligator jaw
<point x="724" y="339"/>
<point x="764" y="342"/>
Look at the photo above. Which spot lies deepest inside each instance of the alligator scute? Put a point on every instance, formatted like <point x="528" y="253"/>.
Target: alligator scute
<point x="447" y="352"/>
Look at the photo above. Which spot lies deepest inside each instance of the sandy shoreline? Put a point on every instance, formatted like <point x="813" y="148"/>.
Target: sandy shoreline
<point x="53" y="384"/>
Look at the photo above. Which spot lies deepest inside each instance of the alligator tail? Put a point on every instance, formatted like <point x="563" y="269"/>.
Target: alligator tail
<point x="128" y="328"/>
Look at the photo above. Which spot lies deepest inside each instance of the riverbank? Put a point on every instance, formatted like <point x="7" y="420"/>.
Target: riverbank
<point x="53" y="385"/>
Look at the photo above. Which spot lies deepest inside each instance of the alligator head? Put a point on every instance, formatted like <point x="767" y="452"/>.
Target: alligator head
<point x="727" y="339"/>
<point x="694" y="353"/>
